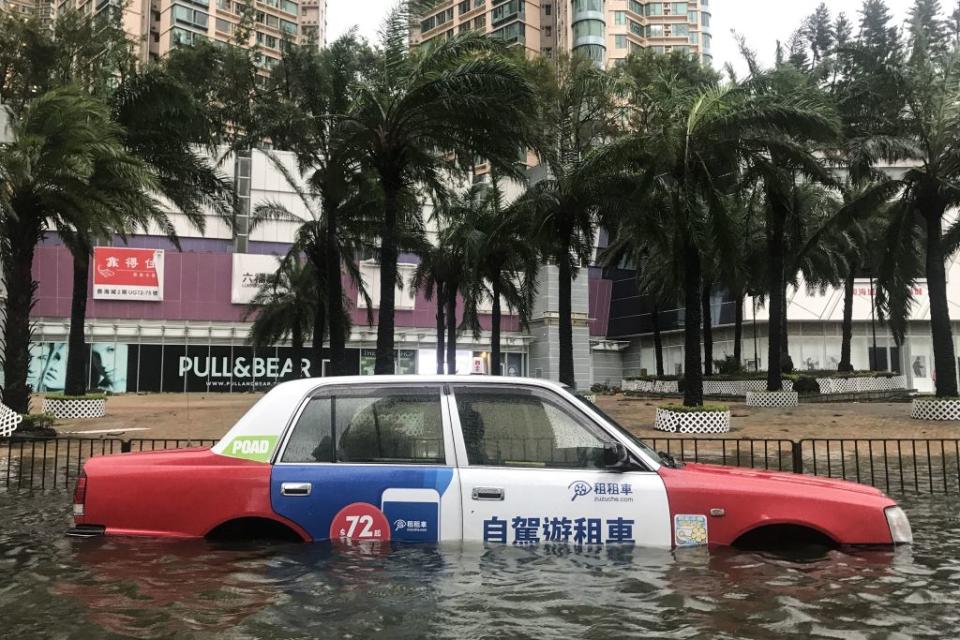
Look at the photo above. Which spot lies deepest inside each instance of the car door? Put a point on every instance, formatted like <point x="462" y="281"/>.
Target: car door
<point x="370" y="463"/>
<point x="532" y="471"/>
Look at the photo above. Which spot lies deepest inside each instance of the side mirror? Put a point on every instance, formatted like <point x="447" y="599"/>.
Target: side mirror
<point x="616" y="457"/>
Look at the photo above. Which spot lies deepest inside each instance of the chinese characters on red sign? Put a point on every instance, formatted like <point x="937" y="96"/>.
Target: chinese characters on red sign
<point x="121" y="273"/>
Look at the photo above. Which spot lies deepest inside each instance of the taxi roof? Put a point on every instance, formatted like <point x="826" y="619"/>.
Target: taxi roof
<point x="271" y="413"/>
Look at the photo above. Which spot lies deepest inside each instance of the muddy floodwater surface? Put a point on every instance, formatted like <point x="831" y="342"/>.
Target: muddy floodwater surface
<point x="55" y="587"/>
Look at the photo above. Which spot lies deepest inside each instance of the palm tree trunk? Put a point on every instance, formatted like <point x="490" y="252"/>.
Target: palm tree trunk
<point x="451" y="329"/>
<point x="17" y="265"/>
<point x="785" y="336"/>
<point x="441" y="326"/>
<point x="319" y="328"/>
<point x="338" y="338"/>
<point x="847" y="327"/>
<point x="296" y="340"/>
<point x="657" y="339"/>
<point x="76" y="381"/>
<point x="944" y="361"/>
<point x="738" y="331"/>
<point x="565" y="294"/>
<point x="388" y="282"/>
<point x="775" y="287"/>
<point x="693" y="378"/>
<point x="707" y="331"/>
<point x="495" y="330"/>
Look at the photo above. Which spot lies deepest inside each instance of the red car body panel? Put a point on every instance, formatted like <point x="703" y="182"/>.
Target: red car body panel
<point x="846" y="512"/>
<point x="183" y="493"/>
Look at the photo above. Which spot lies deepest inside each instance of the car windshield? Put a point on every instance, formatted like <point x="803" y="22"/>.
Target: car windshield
<point x="616" y="425"/>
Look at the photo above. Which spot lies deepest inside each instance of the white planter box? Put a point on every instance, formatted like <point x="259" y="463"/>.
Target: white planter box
<point x="75" y="409"/>
<point x="9" y="421"/>
<point x="854" y="385"/>
<point x="934" y="409"/>
<point x="650" y="386"/>
<point x="692" y="421"/>
<point x="772" y="399"/>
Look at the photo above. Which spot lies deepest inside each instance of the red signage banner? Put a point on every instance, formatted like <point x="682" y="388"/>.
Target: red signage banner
<point x="121" y="273"/>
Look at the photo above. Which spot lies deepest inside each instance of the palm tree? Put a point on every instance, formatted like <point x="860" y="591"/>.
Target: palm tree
<point x="689" y="147"/>
<point x="308" y="94"/>
<point x="914" y="231"/>
<point x="284" y="307"/>
<point x="423" y="112"/>
<point x="65" y="164"/>
<point x="575" y="114"/>
<point x="442" y="274"/>
<point x="497" y="252"/>
<point x="162" y="127"/>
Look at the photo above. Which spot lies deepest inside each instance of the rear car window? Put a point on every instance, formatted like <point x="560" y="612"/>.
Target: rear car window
<point x="391" y="426"/>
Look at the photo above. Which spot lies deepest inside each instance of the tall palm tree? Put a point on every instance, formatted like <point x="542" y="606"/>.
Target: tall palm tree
<point x="502" y="261"/>
<point x="164" y="129"/>
<point x="307" y="96"/>
<point x="284" y="307"/>
<point x="423" y="112"/>
<point x="63" y="143"/>
<point x="690" y="147"/>
<point x="914" y="238"/>
<point x="575" y="113"/>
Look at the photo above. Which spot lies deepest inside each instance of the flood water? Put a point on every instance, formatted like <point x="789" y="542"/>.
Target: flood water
<point x="55" y="587"/>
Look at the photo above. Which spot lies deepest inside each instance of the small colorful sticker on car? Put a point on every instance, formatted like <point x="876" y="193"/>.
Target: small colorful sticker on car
<point x="690" y="530"/>
<point x="255" y="448"/>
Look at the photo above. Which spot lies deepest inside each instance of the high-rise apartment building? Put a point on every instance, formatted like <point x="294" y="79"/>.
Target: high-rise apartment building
<point x="605" y="30"/>
<point x="157" y="26"/>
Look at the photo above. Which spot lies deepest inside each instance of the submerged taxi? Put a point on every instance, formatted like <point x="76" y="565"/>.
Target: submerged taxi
<point x="446" y="458"/>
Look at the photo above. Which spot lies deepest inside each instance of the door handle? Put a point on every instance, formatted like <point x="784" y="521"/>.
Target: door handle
<point x="488" y="493"/>
<point x="300" y="489"/>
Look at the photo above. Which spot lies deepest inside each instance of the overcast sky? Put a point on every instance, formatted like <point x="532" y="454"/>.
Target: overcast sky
<point x="762" y="22"/>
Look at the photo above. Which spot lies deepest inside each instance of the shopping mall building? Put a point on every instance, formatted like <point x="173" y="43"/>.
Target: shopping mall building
<point x="162" y="319"/>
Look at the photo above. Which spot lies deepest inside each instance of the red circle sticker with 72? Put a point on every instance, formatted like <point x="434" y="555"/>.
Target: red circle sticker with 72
<point x="360" y="522"/>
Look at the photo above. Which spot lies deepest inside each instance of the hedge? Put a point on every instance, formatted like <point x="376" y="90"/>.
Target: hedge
<point x="61" y="396"/>
<point x="706" y="408"/>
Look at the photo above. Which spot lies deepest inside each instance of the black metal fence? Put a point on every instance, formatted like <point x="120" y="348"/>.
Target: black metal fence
<point x="896" y="466"/>
<point x="56" y="462"/>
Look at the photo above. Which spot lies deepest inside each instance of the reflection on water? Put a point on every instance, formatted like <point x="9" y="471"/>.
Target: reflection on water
<point x="52" y="586"/>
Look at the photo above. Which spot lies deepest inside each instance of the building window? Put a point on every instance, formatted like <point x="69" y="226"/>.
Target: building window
<point x="289" y="7"/>
<point x="705" y="19"/>
<point x="620" y="41"/>
<point x="548" y="31"/>
<point x="681" y="30"/>
<point x="480" y="22"/>
<point x="223" y="26"/>
<point x="619" y="17"/>
<point x="692" y="17"/>
<point x="636" y="7"/>
<point x="678" y="8"/>
<point x="637" y="28"/>
<point x="654" y="9"/>
<point x="655" y="31"/>
<point x="587" y="28"/>
<point x="548" y="9"/>
<point x="707" y="41"/>
<point x="512" y="33"/>
<point x="463" y="7"/>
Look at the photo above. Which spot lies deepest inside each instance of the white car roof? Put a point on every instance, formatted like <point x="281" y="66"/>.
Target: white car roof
<point x="269" y="416"/>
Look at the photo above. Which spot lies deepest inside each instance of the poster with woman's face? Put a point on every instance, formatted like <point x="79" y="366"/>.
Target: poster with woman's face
<point x="107" y="367"/>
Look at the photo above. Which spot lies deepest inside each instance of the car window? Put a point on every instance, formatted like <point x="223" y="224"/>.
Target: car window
<point x="518" y="427"/>
<point x="398" y="426"/>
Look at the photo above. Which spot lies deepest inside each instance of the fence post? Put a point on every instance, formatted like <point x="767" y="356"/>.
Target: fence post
<point x="797" y="450"/>
<point x="125" y="446"/>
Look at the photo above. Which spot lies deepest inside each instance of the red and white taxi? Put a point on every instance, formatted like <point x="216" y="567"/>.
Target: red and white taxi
<point x="438" y="458"/>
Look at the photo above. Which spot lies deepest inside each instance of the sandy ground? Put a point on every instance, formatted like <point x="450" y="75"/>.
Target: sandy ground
<point x="203" y="415"/>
